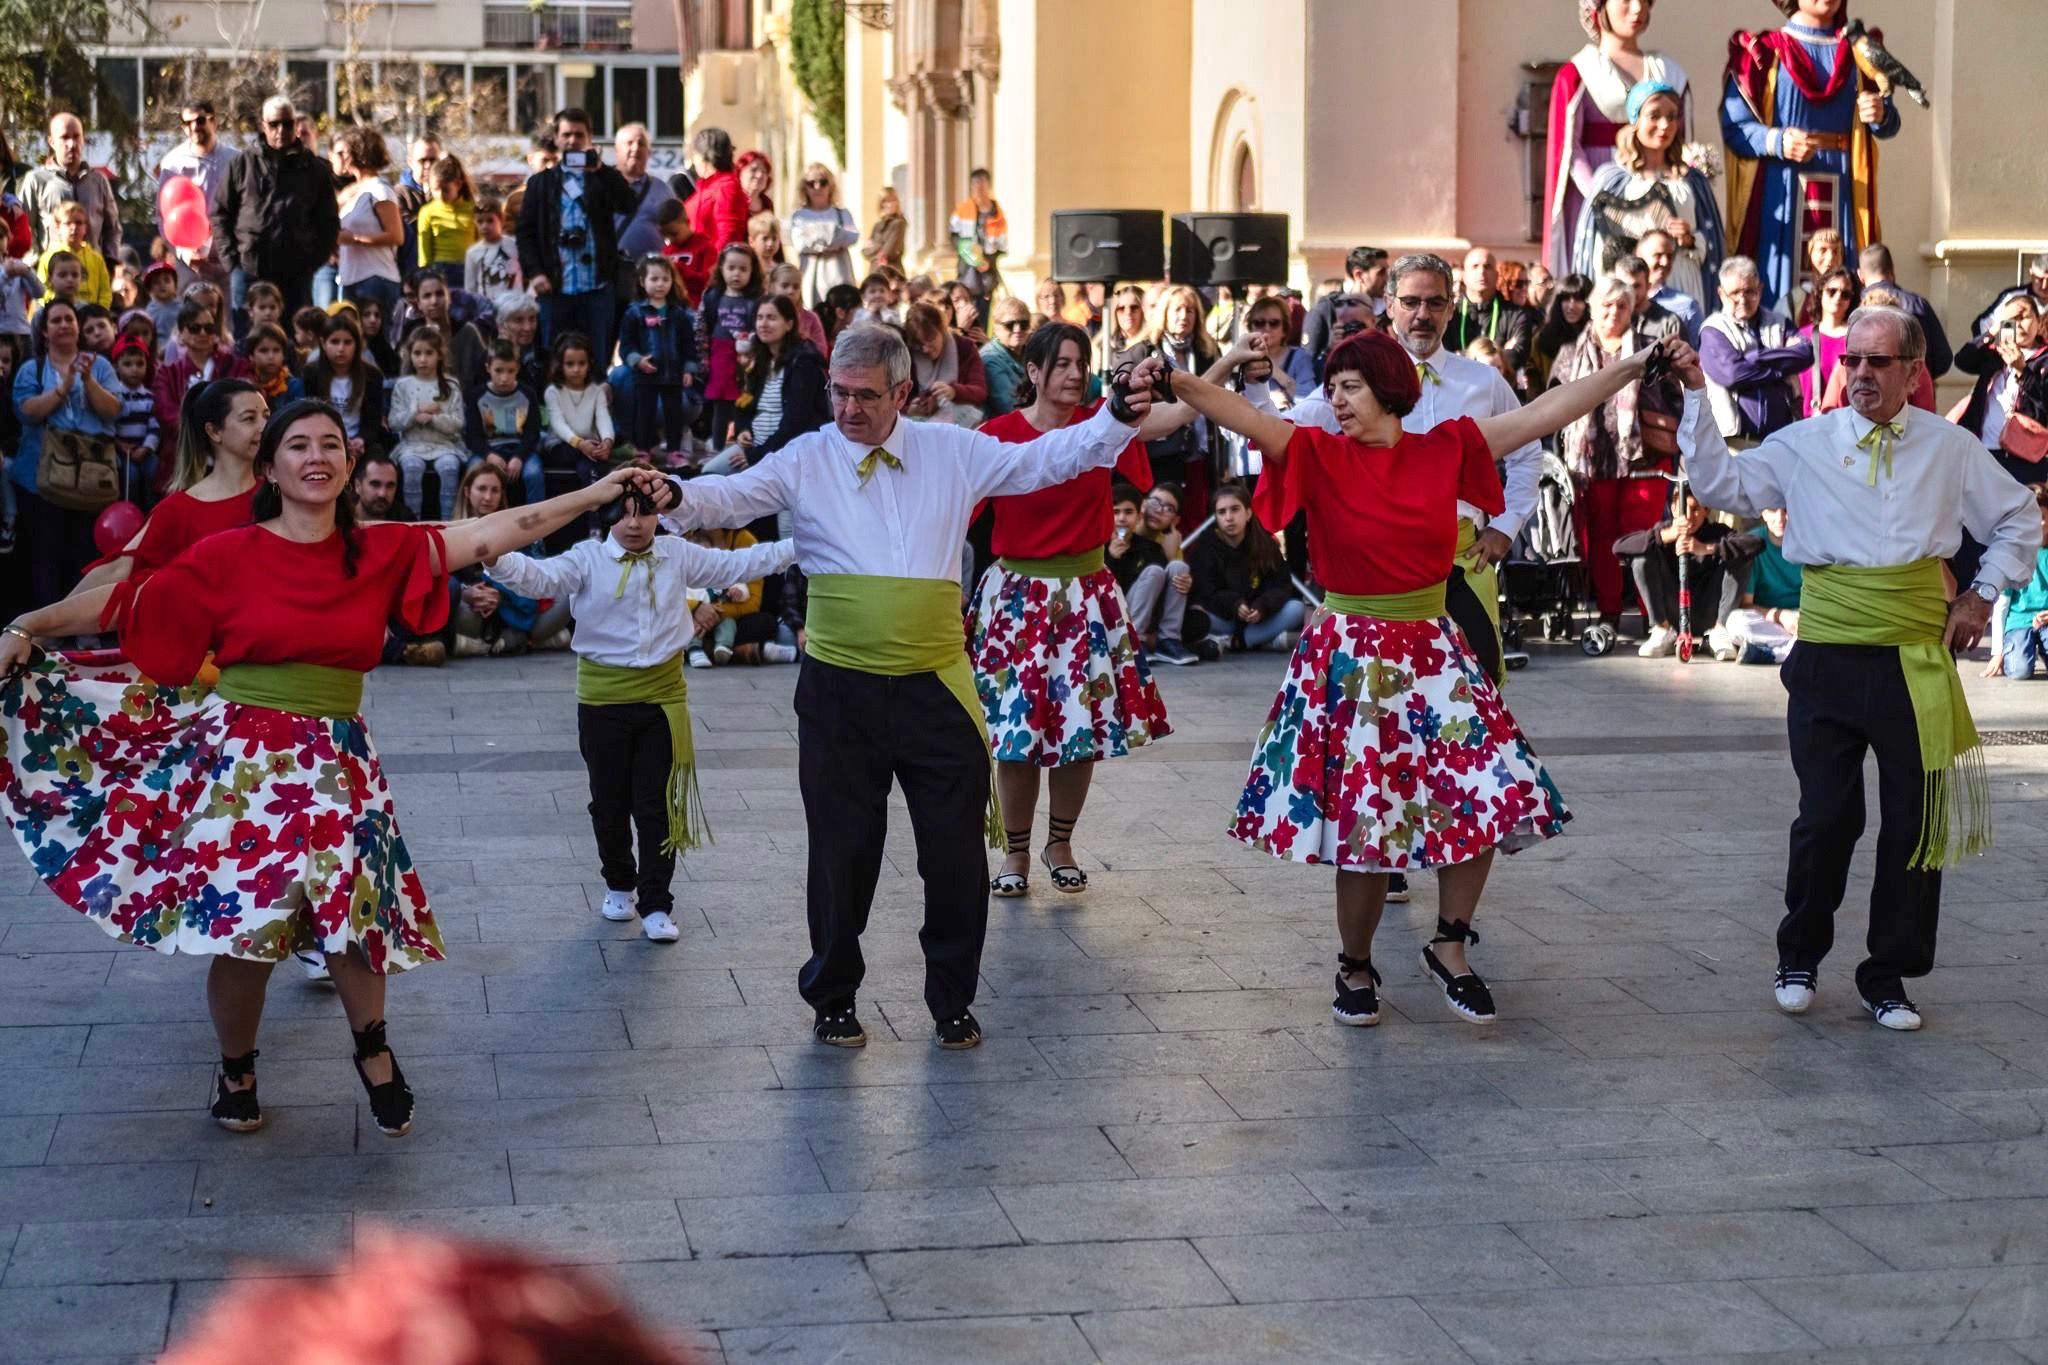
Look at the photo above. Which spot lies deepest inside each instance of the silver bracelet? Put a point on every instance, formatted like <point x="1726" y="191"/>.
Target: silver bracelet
<point x="12" y="628"/>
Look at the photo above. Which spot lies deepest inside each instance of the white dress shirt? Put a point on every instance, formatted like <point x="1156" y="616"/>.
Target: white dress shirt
<point x="901" y="523"/>
<point x="636" y="628"/>
<point x="1467" y="389"/>
<point x="1942" y="482"/>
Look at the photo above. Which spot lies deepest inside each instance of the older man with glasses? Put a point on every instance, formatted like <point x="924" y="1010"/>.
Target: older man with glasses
<point x="276" y="217"/>
<point x="879" y="508"/>
<point x="1876" y="496"/>
<point x="1751" y="358"/>
<point x="203" y="159"/>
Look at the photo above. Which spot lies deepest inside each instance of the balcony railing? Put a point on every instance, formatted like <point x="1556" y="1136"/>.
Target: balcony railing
<point x="589" y="27"/>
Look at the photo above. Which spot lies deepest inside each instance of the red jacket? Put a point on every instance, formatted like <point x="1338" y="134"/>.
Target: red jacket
<point x="175" y="377"/>
<point x="718" y="210"/>
<point x="970" y="382"/>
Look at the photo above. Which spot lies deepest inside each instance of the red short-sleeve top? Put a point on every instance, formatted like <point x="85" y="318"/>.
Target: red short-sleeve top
<point x="1381" y="519"/>
<point x="1069" y="518"/>
<point x="251" y="596"/>
<point x="181" y="521"/>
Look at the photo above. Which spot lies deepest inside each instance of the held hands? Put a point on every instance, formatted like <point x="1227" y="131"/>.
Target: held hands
<point x="1968" y="617"/>
<point x="1680" y="360"/>
<point x="1137" y="391"/>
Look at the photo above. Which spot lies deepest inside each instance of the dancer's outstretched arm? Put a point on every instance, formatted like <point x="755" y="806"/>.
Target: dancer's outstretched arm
<point x="1234" y="412"/>
<point x="482" y="538"/>
<point x="1560" y="407"/>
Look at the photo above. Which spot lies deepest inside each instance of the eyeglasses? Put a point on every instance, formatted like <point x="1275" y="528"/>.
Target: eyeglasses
<point x="204" y="329"/>
<point x="865" y="398"/>
<point x="1268" y="324"/>
<point x="1853" y="361"/>
<point x="277" y="123"/>
<point x="1163" y="504"/>
<point x="1435" y="303"/>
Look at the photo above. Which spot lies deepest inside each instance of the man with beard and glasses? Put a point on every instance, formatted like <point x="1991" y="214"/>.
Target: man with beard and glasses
<point x="1876" y="495"/>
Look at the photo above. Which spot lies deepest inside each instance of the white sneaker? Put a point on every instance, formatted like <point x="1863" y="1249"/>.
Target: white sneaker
<point x="1662" y="644"/>
<point x="1722" y="645"/>
<point x="1794" y="989"/>
<point x="721" y="655"/>
<point x="1282" y="643"/>
<point x="779" y="654"/>
<point x="617" y="907"/>
<point x="699" y="659"/>
<point x="315" y="967"/>
<point x="659" y="928"/>
<point x="1894" y="1014"/>
<point x="559" y="640"/>
<point x="470" y="647"/>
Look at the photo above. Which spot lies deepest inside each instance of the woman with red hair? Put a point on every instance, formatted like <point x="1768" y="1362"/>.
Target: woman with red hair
<point x="1388" y="749"/>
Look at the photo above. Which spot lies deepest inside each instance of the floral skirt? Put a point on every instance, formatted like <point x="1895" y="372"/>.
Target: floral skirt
<point x="188" y="823"/>
<point x="1388" y="750"/>
<point x="1059" y="671"/>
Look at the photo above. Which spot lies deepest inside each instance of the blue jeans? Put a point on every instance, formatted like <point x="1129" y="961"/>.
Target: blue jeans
<point x="326" y="286"/>
<point x="590" y="314"/>
<point x="2023" y="645"/>
<point x="385" y="291"/>
<point x="1258" y="634"/>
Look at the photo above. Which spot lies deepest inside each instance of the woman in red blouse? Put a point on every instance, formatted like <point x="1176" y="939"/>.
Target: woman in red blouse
<point x="1388" y="749"/>
<point x="1056" y="663"/>
<point x="252" y="820"/>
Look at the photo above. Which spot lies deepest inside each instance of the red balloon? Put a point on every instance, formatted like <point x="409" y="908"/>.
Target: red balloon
<point x="115" y="526"/>
<point x="187" y="228"/>
<point x="177" y="191"/>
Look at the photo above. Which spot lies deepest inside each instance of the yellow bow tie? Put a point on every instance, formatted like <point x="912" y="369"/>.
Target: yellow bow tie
<point x="1425" y="373"/>
<point x="877" y="456"/>
<point x="627" y="563"/>
<point x="1879" y="441"/>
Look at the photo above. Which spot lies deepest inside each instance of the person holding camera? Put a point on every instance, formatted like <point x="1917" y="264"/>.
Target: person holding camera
<point x="568" y="238"/>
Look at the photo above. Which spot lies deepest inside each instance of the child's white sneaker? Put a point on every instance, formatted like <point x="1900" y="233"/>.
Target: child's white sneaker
<point x="659" y="928"/>
<point x="617" y="907"/>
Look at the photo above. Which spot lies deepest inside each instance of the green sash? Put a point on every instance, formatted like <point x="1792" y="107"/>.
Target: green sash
<point x="1423" y="604"/>
<point x="1906" y="605"/>
<point x="1484" y="580"/>
<point x="1062" y="566"/>
<point x="302" y="689"/>
<point x="662" y="685"/>
<point x="895" y="627"/>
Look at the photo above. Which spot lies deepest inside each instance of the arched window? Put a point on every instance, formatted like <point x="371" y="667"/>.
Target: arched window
<point x="1244" y="180"/>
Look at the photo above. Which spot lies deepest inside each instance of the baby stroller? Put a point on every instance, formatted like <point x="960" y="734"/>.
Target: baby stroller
<point x="1543" y="578"/>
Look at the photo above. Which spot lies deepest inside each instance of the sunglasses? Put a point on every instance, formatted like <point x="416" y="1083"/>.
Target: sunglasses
<point x="1016" y="325"/>
<point x="277" y="123"/>
<point x="1835" y="291"/>
<point x="196" y="120"/>
<point x="1268" y="324"/>
<point x="817" y="184"/>
<point x="204" y="329"/>
<point x="1852" y="361"/>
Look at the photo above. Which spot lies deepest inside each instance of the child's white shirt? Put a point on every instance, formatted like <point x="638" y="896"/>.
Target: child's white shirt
<point x="636" y="614"/>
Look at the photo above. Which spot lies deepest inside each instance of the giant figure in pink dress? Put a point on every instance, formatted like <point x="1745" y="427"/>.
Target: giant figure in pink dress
<point x="1589" y="108"/>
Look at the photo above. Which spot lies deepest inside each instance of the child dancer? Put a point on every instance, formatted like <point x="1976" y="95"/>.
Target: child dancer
<point x="627" y="595"/>
<point x="660" y="345"/>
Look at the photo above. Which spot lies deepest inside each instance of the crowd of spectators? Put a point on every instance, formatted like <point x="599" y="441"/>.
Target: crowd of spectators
<point x="487" y="343"/>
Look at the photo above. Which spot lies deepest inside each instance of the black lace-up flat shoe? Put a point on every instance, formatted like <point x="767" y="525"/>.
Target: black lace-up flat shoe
<point x="1466" y="995"/>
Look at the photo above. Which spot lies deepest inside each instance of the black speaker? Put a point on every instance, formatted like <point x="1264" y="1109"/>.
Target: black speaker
<point x="1229" y="248"/>
<point x="1095" y="246"/>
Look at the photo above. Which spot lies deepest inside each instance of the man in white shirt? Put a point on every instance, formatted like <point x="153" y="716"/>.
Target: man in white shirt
<point x="1876" y="495"/>
<point x="878" y="512"/>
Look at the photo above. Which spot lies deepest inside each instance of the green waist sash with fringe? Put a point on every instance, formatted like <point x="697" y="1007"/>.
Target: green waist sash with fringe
<point x="1060" y="566"/>
<point x="301" y="689"/>
<point x="662" y="685"/>
<point x="895" y="627"/>
<point x="1906" y="605"/>
<point x="1423" y="604"/>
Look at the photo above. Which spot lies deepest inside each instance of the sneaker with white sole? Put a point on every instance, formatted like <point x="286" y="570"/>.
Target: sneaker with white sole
<point x="617" y="907"/>
<point x="659" y="928"/>
<point x="1722" y="645"/>
<point x="315" y="967"/>
<point x="1794" y="990"/>
<point x="1662" y="644"/>
<point x="778" y="654"/>
<point x="698" y="658"/>
<point x="721" y="655"/>
<point x="1899" y="1013"/>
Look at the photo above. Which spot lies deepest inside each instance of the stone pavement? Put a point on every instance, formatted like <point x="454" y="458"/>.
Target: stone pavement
<point x="1165" y="1150"/>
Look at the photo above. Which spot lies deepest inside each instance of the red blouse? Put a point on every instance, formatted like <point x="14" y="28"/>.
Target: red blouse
<point x="251" y="596"/>
<point x="1381" y="519"/>
<point x="180" y="522"/>
<point x="1069" y="518"/>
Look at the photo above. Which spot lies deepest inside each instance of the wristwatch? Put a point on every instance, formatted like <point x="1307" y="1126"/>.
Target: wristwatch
<point x="1985" y="591"/>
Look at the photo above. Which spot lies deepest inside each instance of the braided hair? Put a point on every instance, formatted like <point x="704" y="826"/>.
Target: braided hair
<point x="270" y="502"/>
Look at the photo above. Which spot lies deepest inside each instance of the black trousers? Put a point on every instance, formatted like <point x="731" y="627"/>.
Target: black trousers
<point x="627" y="751"/>
<point x="855" y="733"/>
<point x="1846" y="700"/>
<point x="1462" y="605"/>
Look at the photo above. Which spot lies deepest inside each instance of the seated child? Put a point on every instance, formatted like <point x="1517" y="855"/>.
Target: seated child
<point x="731" y="618"/>
<point x="1766" y="625"/>
<point x="504" y="423"/>
<point x="2024" y="641"/>
<point x="633" y="623"/>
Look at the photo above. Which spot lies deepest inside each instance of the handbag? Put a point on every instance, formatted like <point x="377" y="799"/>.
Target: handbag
<point x="1657" y="426"/>
<point x="78" y="471"/>
<point x="2025" y="438"/>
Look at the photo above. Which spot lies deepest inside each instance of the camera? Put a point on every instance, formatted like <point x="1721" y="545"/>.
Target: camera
<point x="573" y="238"/>
<point x="576" y="161"/>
